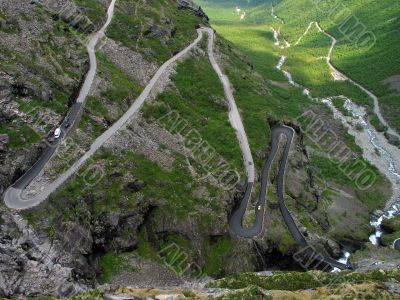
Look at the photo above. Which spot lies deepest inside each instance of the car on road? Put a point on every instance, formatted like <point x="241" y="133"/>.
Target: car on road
<point x="67" y="122"/>
<point x="57" y="133"/>
<point x="259" y="207"/>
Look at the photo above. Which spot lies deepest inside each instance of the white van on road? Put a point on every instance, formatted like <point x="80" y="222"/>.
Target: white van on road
<point x="57" y="133"/>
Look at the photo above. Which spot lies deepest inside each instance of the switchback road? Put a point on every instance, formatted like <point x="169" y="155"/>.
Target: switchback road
<point x="236" y="219"/>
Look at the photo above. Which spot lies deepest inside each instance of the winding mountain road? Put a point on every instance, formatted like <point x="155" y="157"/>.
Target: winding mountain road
<point x="375" y="98"/>
<point x="234" y="116"/>
<point x="236" y="219"/>
<point x="13" y="196"/>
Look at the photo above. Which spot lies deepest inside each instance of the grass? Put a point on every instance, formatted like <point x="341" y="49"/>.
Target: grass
<point x="259" y="100"/>
<point x="168" y="188"/>
<point x="215" y="257"/>
<point x="292" y="281"/>
<point x="112" y="264"/>
<point x="216" y="251"/>
<point x="200" y="101"/>
<point x="145" y="249"/>
<point x="350" y="55"/>
<point x="307" y="64"/>
<point x="21" y="136"/>
<point x="253" y="36"/>
<point x="113" y="101"/>
<point x="348" y="174"/>
<point x="102" y="110"/>
<point x="255" y="40"/>
<point x="94" y="10"/>
<point x="58" y="104"/>
<point x="171" y="190"/>
<point x="157" y="29"/>
<point x="251" y="292"/>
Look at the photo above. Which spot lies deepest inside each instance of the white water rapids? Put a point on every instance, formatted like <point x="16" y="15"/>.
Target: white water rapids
<point x="388" y="160"/>
<point x="376" y="141"/>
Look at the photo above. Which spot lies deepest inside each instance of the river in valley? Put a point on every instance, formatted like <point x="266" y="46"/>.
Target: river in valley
<point x="376" y="149"/>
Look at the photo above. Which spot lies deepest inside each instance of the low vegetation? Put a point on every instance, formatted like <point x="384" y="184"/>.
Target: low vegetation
<point x="364" y="39"/>
<point x="154" y="28"/>
<point x="292" y="281"/>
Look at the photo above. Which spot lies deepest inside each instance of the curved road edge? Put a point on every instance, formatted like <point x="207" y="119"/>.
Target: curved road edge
<point x="12" y="196"/>
<point x="234" y="115"/>
<point x="377" y="109"/>
<point x="236" y="219"/>
<point x="71" y="117"/>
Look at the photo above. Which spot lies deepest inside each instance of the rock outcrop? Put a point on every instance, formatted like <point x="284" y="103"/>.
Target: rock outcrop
<point x="31" y="264"/>
<point x="189" y="4"/>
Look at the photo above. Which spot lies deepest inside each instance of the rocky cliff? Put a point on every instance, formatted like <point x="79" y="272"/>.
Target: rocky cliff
<point x="157" y="216"/>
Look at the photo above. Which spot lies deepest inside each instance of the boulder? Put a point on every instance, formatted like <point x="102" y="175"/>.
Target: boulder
<point x="332" y="248"/>
<point x="4" y="141"/>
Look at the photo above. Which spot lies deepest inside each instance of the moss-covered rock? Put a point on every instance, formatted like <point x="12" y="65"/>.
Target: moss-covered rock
<point x="391" y="225"/>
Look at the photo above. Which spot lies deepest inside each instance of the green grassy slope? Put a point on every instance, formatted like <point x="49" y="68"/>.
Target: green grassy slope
<point x="368" y="41"/>
<point x="367" y="33"/>
<point x="174" y="192"/>
<point x="254" y="37"/>
<point x="155" y="28"/>
<point x="252" y="34"/>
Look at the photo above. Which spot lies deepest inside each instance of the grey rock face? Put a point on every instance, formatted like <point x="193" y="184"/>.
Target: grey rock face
<point x="41" y="67"/>
<point x="332" y="248"/>
<point x="30" y="264"/>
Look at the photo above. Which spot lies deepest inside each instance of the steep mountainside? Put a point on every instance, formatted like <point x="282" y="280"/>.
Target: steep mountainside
<point x="151" y="207"/>
<point x="367" y="48"/>
<point x="253" y="34"/>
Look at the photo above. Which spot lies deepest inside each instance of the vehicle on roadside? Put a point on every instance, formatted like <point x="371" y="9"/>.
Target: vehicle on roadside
<point x="57" y="133"/>
<point x="67" y="122"/>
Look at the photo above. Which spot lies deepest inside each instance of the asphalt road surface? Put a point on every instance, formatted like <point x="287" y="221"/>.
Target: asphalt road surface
<point x="13" y="199"/>
<point x="396" y="244"/>
<point x="236" y="219"/>
<point x="12" y="196"/>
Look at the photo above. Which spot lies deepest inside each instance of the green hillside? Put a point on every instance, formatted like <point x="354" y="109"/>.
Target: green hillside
<point x="367" y="49"/>
<point x="147" y="195"/>
<point x="368" y="41"/>
<point x="253" y="35"/>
